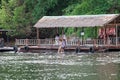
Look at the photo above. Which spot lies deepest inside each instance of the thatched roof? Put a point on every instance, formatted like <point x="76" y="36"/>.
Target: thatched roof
<point x="75" y="21"/>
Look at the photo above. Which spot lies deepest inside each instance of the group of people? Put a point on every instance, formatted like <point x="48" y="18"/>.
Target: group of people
<point x="61" y="41"/>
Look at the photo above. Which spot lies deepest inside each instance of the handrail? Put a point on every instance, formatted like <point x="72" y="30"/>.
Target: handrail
<point x="51" y="41"/>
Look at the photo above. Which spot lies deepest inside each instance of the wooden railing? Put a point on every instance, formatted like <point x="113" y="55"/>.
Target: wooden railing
<point x="51" y="41"/>
<point x="33" y="42"/>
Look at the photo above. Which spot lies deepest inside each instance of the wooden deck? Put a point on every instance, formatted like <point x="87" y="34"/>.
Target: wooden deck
<point x="51" y="48"/>
<point x="37" y="45"/>
<point x="5" y="49"/>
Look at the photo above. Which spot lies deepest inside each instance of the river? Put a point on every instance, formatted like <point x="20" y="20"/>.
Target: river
<point x="53" y="66"/>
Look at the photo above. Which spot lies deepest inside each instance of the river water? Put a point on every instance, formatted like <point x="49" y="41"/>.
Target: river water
<point x="53" y="66"/>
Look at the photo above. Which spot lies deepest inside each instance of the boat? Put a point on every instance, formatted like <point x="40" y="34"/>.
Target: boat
<point x="6" y="49"/>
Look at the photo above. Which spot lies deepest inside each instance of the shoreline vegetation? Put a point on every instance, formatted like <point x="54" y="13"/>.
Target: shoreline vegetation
<point x="21" y="15"/>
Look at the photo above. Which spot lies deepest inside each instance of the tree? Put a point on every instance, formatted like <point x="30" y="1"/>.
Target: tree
<point x="92" y="7"/>
<point x="21" y="15"/>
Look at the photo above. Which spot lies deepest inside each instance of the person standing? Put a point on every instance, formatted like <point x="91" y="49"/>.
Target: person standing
<point x="57" y="39"/>
<point x="64" y="37"/>
<point x="62" y="45"/>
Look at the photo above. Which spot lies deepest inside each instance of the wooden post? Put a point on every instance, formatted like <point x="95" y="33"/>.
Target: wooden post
<point x="104" y="35"/>
<point x="16" y="42"/>
<point x="116" y="35"/>
<point x="38" y="42"/>
<point x="107" y="36"/>
<point x="26" y="42"/>
<point x="94" y="32"/>
<point x="62" y="30"/>
<point x="94" y="42"/>
<point x="37" y="33"/>
<point x="57" y="30"/>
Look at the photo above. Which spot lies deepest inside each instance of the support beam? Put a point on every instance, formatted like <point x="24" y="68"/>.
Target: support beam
<point x="94" y="36"/>
<point x="57" y="30"/>
<point x="116" y="34"/>
<point x="37" y="33"/>
<point x="62" y="30"/>
<point x="118" y="24"/>
<point x="104" y="36"/>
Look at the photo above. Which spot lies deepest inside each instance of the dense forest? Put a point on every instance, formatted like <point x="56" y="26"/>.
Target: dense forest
<point x="21" y="15"/>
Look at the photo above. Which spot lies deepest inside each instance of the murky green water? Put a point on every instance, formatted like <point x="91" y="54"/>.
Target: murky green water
<point x="46" y="66"/>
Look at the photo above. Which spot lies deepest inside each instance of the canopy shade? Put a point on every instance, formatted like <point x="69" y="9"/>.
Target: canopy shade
<point x="75" y="21"/>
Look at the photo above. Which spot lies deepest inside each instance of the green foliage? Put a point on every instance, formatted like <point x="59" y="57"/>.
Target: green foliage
<point x="42" y="7"/>
<point x="5" y="17"/>
<point x="70" y="31"/>
<point x="21" y="15"/>
<point x="82" y="7"/>
<point x="14" y="17"/>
